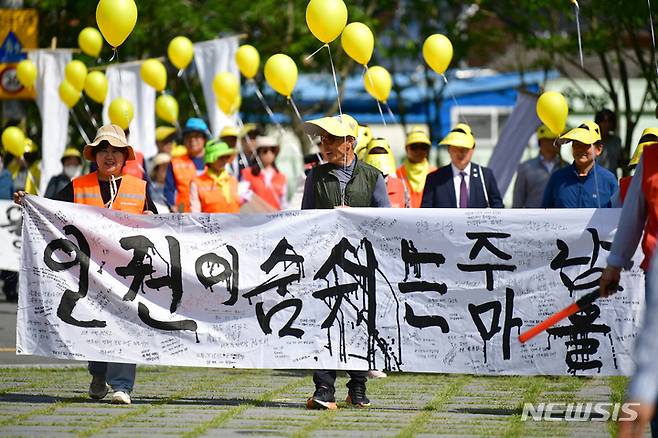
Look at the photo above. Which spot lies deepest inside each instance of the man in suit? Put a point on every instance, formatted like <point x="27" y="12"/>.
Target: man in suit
<point x="461" y="184"/>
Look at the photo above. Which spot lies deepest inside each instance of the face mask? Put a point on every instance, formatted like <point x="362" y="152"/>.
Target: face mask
<point x="72" y="171"/>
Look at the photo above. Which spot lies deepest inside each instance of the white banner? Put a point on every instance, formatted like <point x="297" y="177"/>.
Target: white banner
<point x="409" y="290"/>
<point x="10" y="236"/>
<point x="54" y="114"/>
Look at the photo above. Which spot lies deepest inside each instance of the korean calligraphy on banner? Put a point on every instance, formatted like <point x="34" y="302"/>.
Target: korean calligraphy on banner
<point x="405" y="290"/>
<point x="10" y="235"/>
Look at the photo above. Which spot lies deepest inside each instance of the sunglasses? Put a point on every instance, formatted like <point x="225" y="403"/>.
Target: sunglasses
<point x="267" y="149"/>
<point x="419" y="147"/>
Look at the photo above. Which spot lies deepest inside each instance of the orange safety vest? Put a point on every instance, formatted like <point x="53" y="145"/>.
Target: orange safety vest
<point x="184" y="172"/>
<point x="131" y="197"/>
<point x="270" y="194"/>
<point x="416" y="197"/>
<point x="396" y="191"/>
<point x="624" y="184"/>
<point x="135" y="167"/>
<point x="212" y="198"/>
<point x="650" y="190"/>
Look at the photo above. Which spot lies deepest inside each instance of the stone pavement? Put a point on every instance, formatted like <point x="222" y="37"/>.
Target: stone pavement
<point x="198" y="402"/>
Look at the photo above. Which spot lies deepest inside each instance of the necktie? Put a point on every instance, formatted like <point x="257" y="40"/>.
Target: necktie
<point x="463" y="192"/>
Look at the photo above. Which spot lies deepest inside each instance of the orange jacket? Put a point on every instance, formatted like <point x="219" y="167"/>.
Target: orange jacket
<point x="650" y="189"/>
<point x="211" y="195"/>
<point x="135" y="167"/>
<point x="416" y="197"/>
<point x="131" y="197"/>
<point x="624" y="184"/>
<point x="396" y="192"/>
<point x="270" y="194"/>
<point x="184" y="172"/>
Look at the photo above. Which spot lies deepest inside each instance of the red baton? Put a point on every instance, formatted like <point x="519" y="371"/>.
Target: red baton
<point x="549" y="322"/>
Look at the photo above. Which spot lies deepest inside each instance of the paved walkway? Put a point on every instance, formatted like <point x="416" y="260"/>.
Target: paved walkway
<point x="197" y="402"/>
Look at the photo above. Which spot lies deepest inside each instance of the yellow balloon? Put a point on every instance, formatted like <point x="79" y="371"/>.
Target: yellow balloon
<point x="180" y="52"/>
<point x="76" y="73"/>
<point x="116" y="19"/>
<point x="248" y="60"/>
<point x="226" y="86"/>
<point x="229" y="107"/>
<point x="326" y="19"/>
<point x="13" y="140"/>
<point x="437" y="51"/>
<point x="68" y="93"/>
<point x="96" y="86"/>
<point x="166" y="107"/>
<point x="358" y="42"/>
<point x="90" y="41"/>
<point x="378" y="83"/>
<point x="552" y="109"/>
<point x="281" y="73"/>
<point x="26" y="72"/>
<point x="154" y="73"/>
<point x="121" y="112"/>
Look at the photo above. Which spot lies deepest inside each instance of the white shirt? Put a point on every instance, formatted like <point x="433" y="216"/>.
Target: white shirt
<point x="457" y="180"/>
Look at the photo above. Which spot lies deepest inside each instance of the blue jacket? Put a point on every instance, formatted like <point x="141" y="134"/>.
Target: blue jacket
<point x="566" y="190"/>
<point x="6" y="185"/>
<point x="439" y="189"/>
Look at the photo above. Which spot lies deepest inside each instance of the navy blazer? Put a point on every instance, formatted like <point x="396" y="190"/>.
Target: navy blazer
<point x="440" y="190"/>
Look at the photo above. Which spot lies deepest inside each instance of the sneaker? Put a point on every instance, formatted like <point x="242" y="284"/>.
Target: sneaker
<point x="98" y="388"/>
<point x="374" y="374"/>
<point x="121" y="398"/>
<point x="356" y="396"/>
<point x="323" y="398"/>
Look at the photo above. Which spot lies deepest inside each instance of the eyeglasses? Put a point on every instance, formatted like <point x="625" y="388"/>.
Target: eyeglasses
<point x="419" y="147"/>
<point x="265" y="150"/>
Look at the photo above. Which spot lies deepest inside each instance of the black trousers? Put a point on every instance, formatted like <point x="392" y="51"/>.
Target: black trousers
<point x="327" y="378"/>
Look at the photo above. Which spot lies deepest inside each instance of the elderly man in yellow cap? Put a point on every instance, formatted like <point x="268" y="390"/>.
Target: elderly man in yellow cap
<point x="343" y="181"/>
<point x="71" y="168"/>
<point x="532" y="175"/>
<point x="462" y="183"/>
<point x="585" y="183"/>
<point x="416" y="167"/>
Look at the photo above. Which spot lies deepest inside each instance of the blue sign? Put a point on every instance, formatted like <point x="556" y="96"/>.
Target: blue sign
<point x="11" y="49"/>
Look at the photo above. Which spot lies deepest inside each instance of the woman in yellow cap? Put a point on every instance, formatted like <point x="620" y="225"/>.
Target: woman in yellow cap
<point x="379" y="155"/>
<point x="71" y="168"/>
<point x="649" y="137"/>
<point x="215" y="190"/>
<point x="416" y="167"/>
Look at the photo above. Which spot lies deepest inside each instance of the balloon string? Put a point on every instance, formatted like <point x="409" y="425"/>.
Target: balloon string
<point x="315" y="53"/>
<point x="115" y="54"/>
<point x="91" y="116"/>
<point x="299" y="116"/>
<point x="653" y="36"/>
<point x="462" y="117"/>
<point x="333" y="72"/>
<point x="390" y="112"/>
<point x="243" y="156"/>
<point x="580" y="41"/>
<point x="195" y="105"/>
<point x="82" y="132"/>
<point x="266" y="106"/>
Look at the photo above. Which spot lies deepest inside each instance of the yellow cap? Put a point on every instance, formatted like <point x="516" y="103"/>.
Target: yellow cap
<point x="544" y="133"/>
<point x="30" y="146"/>
<point x="178" y="151"/>
<point x="364" y="136"/>
<point x="649" y="136"/>
<point x="416" y="137"/>
<point x="588" y="133"/>
<point x="247" y="128"/>
<point x="229" y="131"/>
<point x="361" y="149"/>
<point x="340" y="126"/>
<point x="71" y="152"/>
<point x="384" y="162"/>
<point x="162" y="132"/>
<point x="460" y="136"/>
